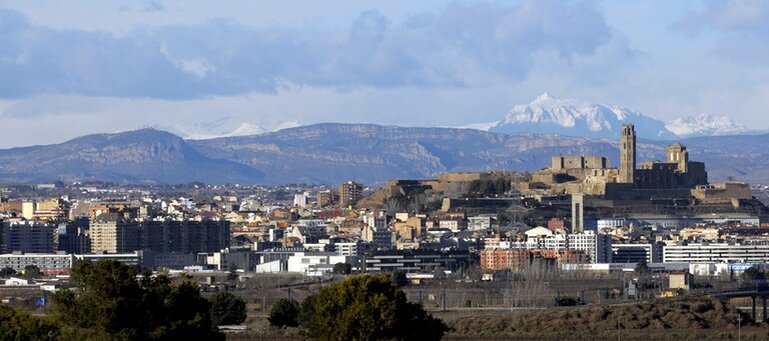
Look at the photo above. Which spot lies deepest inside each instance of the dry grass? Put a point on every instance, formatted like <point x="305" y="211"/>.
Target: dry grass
<point x="666" y="317"/>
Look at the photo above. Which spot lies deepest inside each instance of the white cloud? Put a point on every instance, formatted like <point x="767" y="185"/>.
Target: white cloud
<point x="223" y="57"/>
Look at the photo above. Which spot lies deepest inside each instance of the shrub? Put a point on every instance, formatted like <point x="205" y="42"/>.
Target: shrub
<point x="284" y="313"/>
<point x="366" y="307"/>
<point x="226" y="308"/>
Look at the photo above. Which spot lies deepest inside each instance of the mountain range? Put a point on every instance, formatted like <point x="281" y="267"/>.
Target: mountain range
<point x="550" y="115"/>
<point x="332" y="153"/>
<point x="140" y="156"/>
<point x="547" y="114"/>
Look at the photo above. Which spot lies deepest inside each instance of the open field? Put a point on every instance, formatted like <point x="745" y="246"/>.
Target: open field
<point x="692" y="318"/>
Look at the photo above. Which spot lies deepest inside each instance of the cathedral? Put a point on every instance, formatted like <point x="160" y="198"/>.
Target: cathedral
<point x="676" y="178"/>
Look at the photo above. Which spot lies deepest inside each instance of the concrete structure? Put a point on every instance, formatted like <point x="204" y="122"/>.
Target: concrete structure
<point x="61" y="263"/>
<point x="49" y="263"/>
<point x="716" y="253"/>
<point x="634" y="253"/>
<point x="349" y="249"/>
<point x="16" y="282"/>
<point x="517" y="260"/>
<point x="136" y="258"/>
<point x="160" y="236"/>
<point x="597" y="246"/>
<point x="327" y="198"/>
<point x="415" y="261"/>
<point x="577" y="213"/>
<point x="74" y="237"/>
<point x="479" y="223"/>
<point x="114" y="236"/>
<point x="317" y="263"/>
<point x="627" y="154"/>
<point x="680" y="280"/>
<point x="28" y="209"/>
<point x="379" y="238"/>
<point x="350" y="193"/>
<point x="300" y="200"/>
<point x="579" y="162"/>
<point x="28" y="236"/>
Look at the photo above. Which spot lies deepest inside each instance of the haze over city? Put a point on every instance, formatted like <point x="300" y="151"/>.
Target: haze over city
<point x="201" y="69"/>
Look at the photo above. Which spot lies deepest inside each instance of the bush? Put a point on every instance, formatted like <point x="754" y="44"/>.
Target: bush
<point x="107" y="302"/>
<point x="306" y="311"/>
<point x="284" y="313"/>
<point x="342" y="268"/>
<point x="21" y="326"/>
<point x="366" y="307"/>
<point x="7" y="271"/>
<point x="226" y="308"/>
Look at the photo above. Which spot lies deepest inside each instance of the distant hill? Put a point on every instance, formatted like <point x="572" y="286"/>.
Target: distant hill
<point x="332" y="153"/>
<point x="141" y="156"/>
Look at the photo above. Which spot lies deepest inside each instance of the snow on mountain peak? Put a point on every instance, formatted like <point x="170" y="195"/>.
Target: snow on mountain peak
<point x="548" y="114"/>
<point x="246" y="128"/>
<point x="546" y="96"/>
<point x="705" y="125"/>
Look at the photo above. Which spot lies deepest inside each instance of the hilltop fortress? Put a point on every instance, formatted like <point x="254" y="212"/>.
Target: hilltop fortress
<point x="675" y="181"/>
<point x="676" y="185"/>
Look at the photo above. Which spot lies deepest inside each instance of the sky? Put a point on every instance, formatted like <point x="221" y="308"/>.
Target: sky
<point x="211" y="68"/>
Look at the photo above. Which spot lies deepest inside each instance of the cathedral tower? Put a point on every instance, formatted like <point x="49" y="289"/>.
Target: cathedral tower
<point x="627" y="157"/>
<point x="679" y="155"/>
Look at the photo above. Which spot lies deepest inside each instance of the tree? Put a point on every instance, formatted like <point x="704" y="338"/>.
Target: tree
<point x="226" y="308"/>
<point x="8" y="271"/>
<point x="32" y="271"/>
<point x="306" y="311"/>
<point x="21" y="326"/>
<point x="233" y="274"/>
<point x="107" y="302"/>
<point x="366" y="307"/>
<point x="753" y="273"/>
<point x="284" y="313"/>
<point x="342" y="268"/>
<point x="642" y="267"/>
<point x="394" y="204"/>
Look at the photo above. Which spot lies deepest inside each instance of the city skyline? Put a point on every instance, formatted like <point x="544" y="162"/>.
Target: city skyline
<point x="201" y="70"/>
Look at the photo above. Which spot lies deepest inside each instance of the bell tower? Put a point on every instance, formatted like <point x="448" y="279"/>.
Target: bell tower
<point x="627" y="157"/>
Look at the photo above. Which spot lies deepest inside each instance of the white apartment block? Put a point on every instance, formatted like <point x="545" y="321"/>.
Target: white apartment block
<point x="716" y="253"/>
<point x="597" y="246"/>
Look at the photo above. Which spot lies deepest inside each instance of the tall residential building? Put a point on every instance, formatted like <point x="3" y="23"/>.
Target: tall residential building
<point x="74" y="236"/>
<point x="627" y="153"/>
<point x="350" y="193"/>
<point x="184" y="236"/>
<point x="327" y="198"/>
<point x="300" y="200"/>
<point x="114" y="236"/>
<point x="160" y="236"/>
<point x="28" y="209"/>
<point x="28" y="237"/>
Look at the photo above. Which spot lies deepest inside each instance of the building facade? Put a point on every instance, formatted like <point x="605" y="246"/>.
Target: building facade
<point x="350" y="193"/>
<point x="28" y="236"/>
<point x="716" y="253"/>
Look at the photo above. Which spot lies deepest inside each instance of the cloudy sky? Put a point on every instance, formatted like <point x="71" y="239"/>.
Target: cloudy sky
<point x="205" y="68"/>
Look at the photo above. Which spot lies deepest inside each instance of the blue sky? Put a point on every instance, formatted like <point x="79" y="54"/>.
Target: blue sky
<point x="205" y="68"/>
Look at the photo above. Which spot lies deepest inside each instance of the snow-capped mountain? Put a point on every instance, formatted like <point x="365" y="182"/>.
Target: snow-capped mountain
<point x="705" y="125"/>
<point x="225" y="127"/>
<point x="246" y="128"/>
<point x="547" y="114"/>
